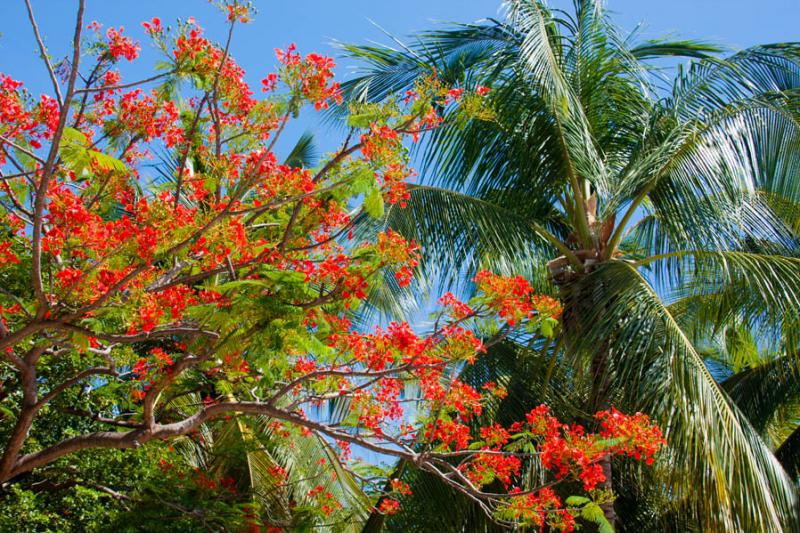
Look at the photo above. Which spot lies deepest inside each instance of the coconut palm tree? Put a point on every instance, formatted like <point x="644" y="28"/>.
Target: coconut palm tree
<point x="661" y="211"/>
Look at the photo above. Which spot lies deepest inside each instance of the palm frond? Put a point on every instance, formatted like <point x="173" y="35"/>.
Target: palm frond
<point x="711" y="83"/>
<point x="304" y="153"/>
<point x="789" y="453"/>
<point x="763" y="390"/>
<point x="719" y="463"/>
<point x="458" y="235"/>
<point x="662" y="47"/>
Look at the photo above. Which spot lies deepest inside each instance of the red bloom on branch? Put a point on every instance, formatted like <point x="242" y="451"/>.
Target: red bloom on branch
<point x="68" y="276"/>
<point x="153" y="26"/>
<point x="121" y="46"/>
<point x="455" y="95"/>
<point x="389" y="506"/>
<point x="6" y="254"/>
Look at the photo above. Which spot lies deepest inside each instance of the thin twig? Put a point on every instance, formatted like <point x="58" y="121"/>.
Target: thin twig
<point x="43" y="50"/>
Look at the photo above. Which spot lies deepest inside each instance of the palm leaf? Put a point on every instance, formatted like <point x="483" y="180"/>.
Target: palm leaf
<point x="740" y="484"/>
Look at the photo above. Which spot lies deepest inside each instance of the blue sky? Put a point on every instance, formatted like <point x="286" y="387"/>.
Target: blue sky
<point x="315" y="24"/>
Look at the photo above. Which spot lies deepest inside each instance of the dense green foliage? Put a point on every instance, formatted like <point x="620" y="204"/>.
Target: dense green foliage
<point x="665" y="218"/>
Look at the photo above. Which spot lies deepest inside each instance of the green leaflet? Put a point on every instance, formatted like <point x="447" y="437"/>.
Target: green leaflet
<point x="373" y="204"/>
<point x="79" y="158"/>
<point x="593" y="513"/>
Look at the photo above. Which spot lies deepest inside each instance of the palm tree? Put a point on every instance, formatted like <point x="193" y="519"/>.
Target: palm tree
<point x="277" y="473"/>
<point x="661" y="212"/>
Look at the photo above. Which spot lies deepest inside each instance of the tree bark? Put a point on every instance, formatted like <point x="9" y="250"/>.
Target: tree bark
<point x="580" y="300"/>
<point x="600" y="401"/>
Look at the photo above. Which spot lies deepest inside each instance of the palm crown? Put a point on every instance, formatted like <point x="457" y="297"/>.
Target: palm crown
<point x="662" y="213"/>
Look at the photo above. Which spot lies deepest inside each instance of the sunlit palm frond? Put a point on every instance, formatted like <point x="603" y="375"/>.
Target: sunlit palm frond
<point x="740" y="484"/>
<point x="460" y="234"/>
<point x="304" y="153"/>
<point x="711" y="83"/>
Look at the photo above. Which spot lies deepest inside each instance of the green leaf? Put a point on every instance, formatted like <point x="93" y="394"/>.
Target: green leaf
<point x="577" y="501"/>
<point x="547" y="326"/>
<point x="107" y="162"/>
<point x="362" y="180"/>
<point x="73" y="150"/>
<point x="593" y="513"/>
<point x="313" y="345"/>
<point x="373" y="204"/>
<point x="290" y="278"/>
<point x="361" y="120"/>
<point x="73" y="136"/>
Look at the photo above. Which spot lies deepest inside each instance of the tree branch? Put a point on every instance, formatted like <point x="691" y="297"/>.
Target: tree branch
<point x="47" y="172"/>
<point x="80" y="376"/>
<point x="43" y="51"/>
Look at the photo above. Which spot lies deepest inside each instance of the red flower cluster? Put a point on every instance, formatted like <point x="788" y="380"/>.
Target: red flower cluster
<point x="143" y="115"/>
<point x="485" y="468"/>
<point x="389" y="506"/>
<point x="457" y="309"/>
<point x="153" y="26"/>
<point x="396" y="251"/>
<point x="535" y="509"/>
<point x="6" y="254"/>
<point x="17" y="123"/>
<point x="567" y="450"/>
<point x="310" y="77"/>
<point x="381" y="144"/>
<point x="400" y="487"/>
<point x="571" y="451"/>
<point x="513" y="298"/>
<point x="121" y="46"/>
<point x="196" y="54"/>
<point x="324" y="499"/>
<point x="637" y="437"/>
<point x="394" y="178"/>
<point x="449" y="433"/>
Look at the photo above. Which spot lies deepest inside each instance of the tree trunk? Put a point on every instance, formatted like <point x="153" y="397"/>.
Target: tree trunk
<point x="608" y="484"/>
<point x="600" y="401"/>
<point x="580" y="301"/>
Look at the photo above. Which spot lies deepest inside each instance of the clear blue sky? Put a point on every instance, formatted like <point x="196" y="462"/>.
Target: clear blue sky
<point x="315" y="24"/>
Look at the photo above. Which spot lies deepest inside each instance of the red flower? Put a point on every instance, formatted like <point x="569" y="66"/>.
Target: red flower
<point x="121" y="46"/>
<point x="389" y="506"/>
<point x="68" y="276"/>
<point x="153" y="26"/>
<point x="6" y="254"/>
<point x="455" y="94"/>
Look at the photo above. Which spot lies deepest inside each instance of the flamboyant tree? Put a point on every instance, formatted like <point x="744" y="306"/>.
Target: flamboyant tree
<point x="233" y="280"/>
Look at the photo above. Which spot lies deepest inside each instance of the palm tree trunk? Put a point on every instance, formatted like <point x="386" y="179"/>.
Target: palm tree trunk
<point x="580" y="301"/>
<point x="599" y="401"/>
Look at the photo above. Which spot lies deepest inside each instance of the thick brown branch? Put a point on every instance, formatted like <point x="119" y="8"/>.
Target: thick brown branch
<point x="47" y="172"/>
<point x="27" y="372"/>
